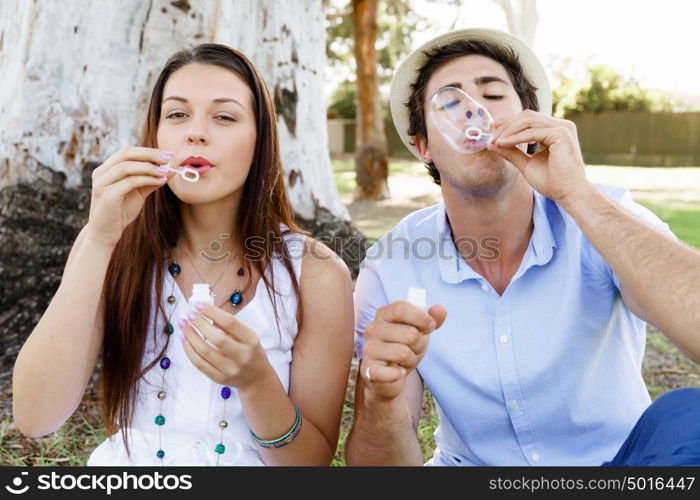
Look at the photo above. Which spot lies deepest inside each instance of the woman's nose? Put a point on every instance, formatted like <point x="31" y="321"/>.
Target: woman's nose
<point x="196" y="138"/>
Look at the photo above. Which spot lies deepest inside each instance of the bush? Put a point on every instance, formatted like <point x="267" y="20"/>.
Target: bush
<point x="343" y="101"/>
<point x="606" y="90"/>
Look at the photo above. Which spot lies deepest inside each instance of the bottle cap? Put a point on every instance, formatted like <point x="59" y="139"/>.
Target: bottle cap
<point x="200" y="293"/>
<point x="416" y="296"/>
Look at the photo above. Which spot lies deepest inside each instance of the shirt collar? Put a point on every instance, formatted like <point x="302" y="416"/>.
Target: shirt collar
<point x="542" y="240"/>
<point x="453" y="268"/>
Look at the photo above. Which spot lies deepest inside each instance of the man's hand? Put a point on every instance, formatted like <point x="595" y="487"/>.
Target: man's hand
<point x="395" y="342"/>
<point x="558" y="170"/>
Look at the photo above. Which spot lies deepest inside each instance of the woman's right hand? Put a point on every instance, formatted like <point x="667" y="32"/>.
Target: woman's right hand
<point x="119" y="189"/>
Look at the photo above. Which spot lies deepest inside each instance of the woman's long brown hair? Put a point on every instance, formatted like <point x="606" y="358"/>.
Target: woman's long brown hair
<point x="140" y="255"/>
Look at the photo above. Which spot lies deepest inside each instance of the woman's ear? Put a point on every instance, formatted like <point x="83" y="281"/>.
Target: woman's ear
<point x="423" y="150"/>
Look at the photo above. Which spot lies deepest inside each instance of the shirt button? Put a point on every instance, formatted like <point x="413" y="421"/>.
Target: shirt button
<point x="535" y="457"/>
<point x="485" y="287"/>
<point x="514" y="405"/>
<point x="503" y="339"/>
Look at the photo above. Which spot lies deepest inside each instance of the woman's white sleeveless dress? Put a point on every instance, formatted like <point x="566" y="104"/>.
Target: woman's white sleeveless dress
<point x="193" y="406"/>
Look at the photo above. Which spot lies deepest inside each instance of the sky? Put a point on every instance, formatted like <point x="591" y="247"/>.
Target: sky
<point x="656" y="42"/>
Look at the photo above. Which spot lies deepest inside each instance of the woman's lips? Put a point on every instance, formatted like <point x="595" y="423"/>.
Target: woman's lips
<point x="198" y="163"/>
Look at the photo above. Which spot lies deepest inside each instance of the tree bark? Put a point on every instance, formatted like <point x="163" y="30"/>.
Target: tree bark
<point x="522" y="18"/>
<point x="76" y="79"/>
<point x="79" y="100"/>
<point x="371" y="166"/>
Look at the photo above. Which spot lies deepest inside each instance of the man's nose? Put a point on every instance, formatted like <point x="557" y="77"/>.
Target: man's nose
<point x="479" y="110"/>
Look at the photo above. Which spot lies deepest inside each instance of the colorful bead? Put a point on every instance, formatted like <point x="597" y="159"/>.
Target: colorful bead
<point x="174" y="269"/>
<point x="236" y="298"/>
<point x="240" y="272"/>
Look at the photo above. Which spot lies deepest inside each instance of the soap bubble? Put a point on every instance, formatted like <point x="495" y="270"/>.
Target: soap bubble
<point x="464" y="123"/>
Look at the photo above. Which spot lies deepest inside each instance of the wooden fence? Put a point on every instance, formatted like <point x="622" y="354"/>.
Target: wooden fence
<point x="642" y="138"/>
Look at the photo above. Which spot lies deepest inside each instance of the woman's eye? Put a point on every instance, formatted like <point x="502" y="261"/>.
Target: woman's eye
<point x="493" y="97"/>
<point x="176" y="115"/>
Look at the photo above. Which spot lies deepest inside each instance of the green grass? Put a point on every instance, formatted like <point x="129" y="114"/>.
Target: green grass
<point x="406" y="167"/>
<point x="344" y="172"/>
<point x="658" y="341"/>
<point x="70" y="445"/>
<point x="427" y="426"/>
<point x="683" y="218"/>
<point x="347" y="418"/>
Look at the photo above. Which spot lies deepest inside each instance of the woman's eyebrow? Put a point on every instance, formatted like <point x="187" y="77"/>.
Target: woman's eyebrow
<point x="217" y="100"/>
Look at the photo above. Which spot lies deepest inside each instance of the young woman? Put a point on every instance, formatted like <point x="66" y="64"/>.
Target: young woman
<point x="258" y="377"/>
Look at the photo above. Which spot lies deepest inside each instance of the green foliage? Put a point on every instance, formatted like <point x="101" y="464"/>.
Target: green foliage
<point x="339" y="33"/>
<point x="343" y="101"/>
<point x="396" y="23"/>
<point x="606" y="90"/>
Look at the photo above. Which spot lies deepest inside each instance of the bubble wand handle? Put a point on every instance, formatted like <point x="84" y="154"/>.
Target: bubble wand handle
<point x="187" y="173"/>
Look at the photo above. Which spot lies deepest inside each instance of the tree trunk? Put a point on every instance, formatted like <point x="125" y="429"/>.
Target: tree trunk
<point x="64" y="104"/>
<point x="371" y="169"/>
<point x="522" y="18"/>
<point x="76" y="78"/>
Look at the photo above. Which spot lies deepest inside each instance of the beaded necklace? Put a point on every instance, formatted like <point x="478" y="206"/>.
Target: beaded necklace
<point x="236" y="299"/>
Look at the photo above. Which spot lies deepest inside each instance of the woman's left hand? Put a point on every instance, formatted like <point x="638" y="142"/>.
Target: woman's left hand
<point x="557" y="171"/>
<point x="231" y="354"/>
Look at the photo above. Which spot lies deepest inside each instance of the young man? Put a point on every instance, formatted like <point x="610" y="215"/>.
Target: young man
<point x="548" y="281"/>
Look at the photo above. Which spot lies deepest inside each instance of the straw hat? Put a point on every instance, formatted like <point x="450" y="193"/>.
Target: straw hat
<point x="407" y="72"/>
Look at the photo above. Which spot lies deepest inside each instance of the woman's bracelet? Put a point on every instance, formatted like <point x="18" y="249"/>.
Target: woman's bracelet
<point x="284" y="440"/>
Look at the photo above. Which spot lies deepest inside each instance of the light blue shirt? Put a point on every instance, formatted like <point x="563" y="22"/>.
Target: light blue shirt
<point x="549" y="373"/>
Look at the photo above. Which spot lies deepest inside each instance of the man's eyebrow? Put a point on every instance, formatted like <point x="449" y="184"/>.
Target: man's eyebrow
<point x="479" y="81"/>
<point x="217" y="100"/>
<point x="483" y="80"/>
